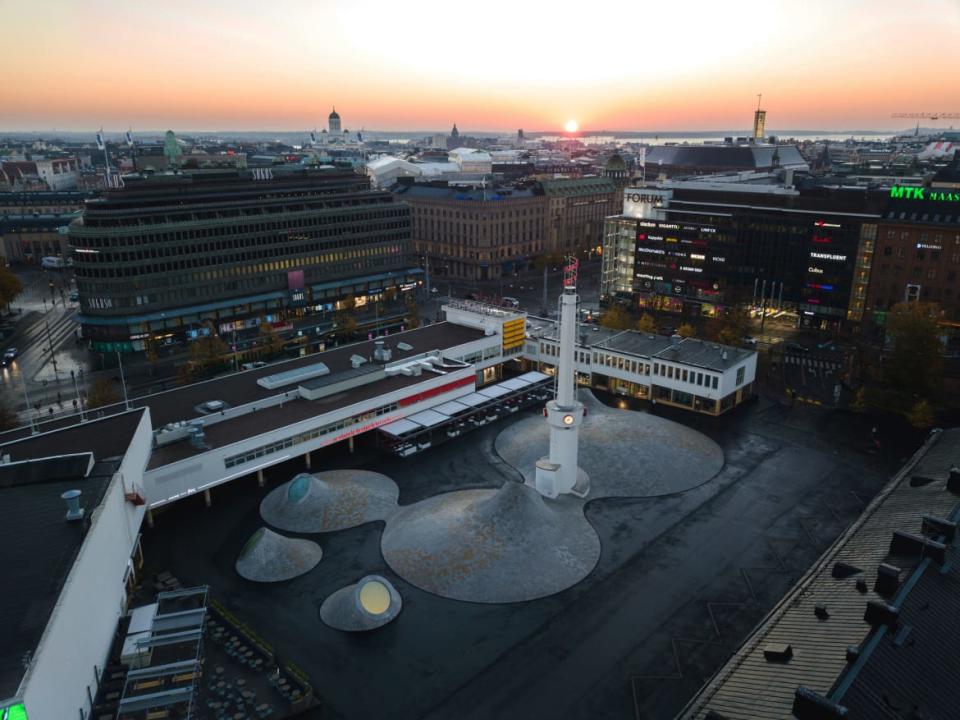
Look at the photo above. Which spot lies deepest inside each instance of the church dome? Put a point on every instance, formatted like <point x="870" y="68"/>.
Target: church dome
<point x="616" y="162"/>
<point x="334" y="115"/>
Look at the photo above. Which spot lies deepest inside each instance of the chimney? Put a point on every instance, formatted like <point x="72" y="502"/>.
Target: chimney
<point x="74" y="511"/>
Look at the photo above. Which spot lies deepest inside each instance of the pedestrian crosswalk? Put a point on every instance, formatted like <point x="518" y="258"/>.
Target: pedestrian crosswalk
<point x="812" y="362"/>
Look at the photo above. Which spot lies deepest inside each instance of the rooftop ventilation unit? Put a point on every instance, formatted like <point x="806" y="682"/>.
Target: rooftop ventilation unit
<point x="808" y="705"/>
<point x="778" y="652"/>
<point x="913" y="545"/>
<point x="953" y="482"/>
<point x="196" y="436"/>
<point x="938" y="527"/>
<point x="357" y="360"/>
<point x="880" y="613"/>
<point x="381" y="354"/>
<point x="888" y="579"/>
<point x="74" y="511"/>
<point x="290" y="377"/>
<point x="406" y="347"/>
<point x="843" y="570"/>
<point x="921" y="480"/>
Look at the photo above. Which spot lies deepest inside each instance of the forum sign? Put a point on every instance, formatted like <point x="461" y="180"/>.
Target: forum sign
<point x="646" y="204"/>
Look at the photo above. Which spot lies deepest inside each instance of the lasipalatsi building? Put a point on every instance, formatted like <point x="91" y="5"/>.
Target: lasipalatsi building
<point x="177" y="256"/>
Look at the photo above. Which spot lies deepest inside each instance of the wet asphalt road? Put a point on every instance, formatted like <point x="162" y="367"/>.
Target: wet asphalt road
<point x="680" y="581"/>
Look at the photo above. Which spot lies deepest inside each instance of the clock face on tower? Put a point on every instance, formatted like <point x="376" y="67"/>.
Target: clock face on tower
<point x="568" y="419"/>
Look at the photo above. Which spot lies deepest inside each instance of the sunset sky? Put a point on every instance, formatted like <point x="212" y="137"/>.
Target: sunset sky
<point x="491" y="65"/>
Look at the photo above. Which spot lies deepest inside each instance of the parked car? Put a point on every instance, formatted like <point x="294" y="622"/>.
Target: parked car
<point x="9" y="355"/>
<point x="511" y="302"/>
<point x="797" y="347"/>
<point x="749" y="341"/>
<point x="74" y="296"/>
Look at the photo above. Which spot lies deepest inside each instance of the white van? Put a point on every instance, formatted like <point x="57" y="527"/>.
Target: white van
<point x="52" y="263"/>
<point x="510" y="302"/>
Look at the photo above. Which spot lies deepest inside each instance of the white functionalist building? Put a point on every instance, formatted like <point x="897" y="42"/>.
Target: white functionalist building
<point x="69" y="584"/>
<point x="688" y="373"/>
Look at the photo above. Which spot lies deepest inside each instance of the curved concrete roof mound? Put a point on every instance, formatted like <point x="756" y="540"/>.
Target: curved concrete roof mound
<point x="332" y="500"/>
<point x="626" y="453"/>
<point x="366" y="605"/>
<point x="491" y="546"/>
<point x="269" y="557"/>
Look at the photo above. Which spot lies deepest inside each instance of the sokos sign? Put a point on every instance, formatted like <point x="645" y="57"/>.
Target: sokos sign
<point x="646" y="203"/>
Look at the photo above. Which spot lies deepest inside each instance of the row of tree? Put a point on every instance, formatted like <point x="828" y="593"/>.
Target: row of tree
<point x="909" y="379"/>
<point x="732" y="329"/>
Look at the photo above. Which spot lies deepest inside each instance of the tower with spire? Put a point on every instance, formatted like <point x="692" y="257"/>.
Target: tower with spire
<point x="333" y="122"/>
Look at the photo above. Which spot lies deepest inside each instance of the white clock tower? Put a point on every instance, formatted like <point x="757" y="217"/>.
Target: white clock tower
<point x="558" y="474"/>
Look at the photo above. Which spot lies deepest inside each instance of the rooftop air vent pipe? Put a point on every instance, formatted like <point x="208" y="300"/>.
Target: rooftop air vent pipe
<point x="74" y="511"/>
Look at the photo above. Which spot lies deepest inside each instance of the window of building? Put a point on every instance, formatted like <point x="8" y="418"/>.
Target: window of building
<point x="888" y="250"/>
<point x="714" y="385"/>
<point x="741" y="373"/>
<point x="684" y="375"/>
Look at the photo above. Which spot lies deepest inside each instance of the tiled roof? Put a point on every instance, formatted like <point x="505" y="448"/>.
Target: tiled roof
<point x="751" y="687"/>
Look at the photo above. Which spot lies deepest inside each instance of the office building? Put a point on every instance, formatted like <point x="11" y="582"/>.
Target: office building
<point x="576" y="211"/>
<point x="917" y="253"/>
<point x="177" y="256"/>
<point x="699" y="247"/>
<point x="488" y="232"/>
<point x="476" y="233"/>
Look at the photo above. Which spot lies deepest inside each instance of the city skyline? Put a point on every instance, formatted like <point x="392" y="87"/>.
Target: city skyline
<point x="244" y="66"/>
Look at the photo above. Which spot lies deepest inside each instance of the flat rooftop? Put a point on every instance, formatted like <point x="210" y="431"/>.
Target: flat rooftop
<point x="241" y="388"/>
<point x="105" y="438"/>
<point x="255" y="423"/>
<point x="38" y="547"/>
<point x="689" y="351"/>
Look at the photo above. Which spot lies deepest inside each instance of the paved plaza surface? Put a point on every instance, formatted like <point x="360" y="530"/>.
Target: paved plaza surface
<point x="680" y="580"/>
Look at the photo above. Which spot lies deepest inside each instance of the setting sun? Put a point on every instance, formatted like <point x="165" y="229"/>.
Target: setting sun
<point x="571" y="126"/>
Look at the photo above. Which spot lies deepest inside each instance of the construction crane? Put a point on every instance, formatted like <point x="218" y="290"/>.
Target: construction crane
<point x="926" y="116"/>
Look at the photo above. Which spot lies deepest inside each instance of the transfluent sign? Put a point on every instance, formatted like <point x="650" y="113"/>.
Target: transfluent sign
<point x="918" y="193"/>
